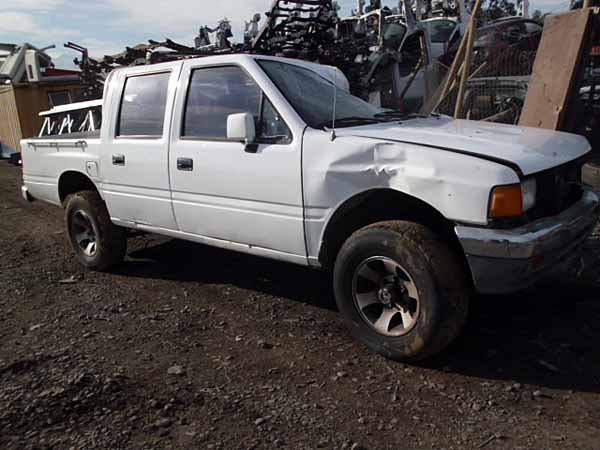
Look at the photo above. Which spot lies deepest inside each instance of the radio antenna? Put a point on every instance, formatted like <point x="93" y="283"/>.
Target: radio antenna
<point x="333" y="136"/>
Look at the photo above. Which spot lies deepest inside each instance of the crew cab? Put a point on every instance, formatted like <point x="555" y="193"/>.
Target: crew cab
<point x="251" y="153"/>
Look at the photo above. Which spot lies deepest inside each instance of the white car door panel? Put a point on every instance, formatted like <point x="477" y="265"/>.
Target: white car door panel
<point x="135" y="170"/>
<point x="223" y="189"/>
<point x="233" y="195"/>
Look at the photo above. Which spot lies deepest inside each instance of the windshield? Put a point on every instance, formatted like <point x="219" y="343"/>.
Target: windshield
<point x="311" y="96"/>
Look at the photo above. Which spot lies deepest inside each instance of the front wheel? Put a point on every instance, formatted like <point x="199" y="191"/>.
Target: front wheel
<point x="401" y="290"/>
<point x="97" y="242"/>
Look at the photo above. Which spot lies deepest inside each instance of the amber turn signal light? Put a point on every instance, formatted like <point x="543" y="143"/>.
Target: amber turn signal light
<point x="506" y="201"/>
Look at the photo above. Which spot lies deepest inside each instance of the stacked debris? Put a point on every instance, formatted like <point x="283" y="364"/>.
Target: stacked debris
<point x="93" y="72"/>
<point x="303" y="29"/>
<point x="308" y="29"/>
<point x="392" y="57"/>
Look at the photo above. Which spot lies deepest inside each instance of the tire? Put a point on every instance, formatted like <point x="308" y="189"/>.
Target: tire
<point x="96" y="241"/>
<point x="591" y="175"/>
<point x="425" y="267"/>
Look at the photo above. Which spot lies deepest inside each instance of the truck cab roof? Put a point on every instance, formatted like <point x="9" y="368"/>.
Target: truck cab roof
<point x="330" y="73"/>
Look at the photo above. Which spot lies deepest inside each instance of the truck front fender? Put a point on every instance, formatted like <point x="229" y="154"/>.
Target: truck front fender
<point x="455" y="186"/>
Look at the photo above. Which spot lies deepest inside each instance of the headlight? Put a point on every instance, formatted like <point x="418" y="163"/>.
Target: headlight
<point x="513" y="200"/>
<point x="529" y="190"/>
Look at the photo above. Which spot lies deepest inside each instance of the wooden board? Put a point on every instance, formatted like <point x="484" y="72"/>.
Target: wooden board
<point x="10" y="126"/>
<point x="556" y="69"/>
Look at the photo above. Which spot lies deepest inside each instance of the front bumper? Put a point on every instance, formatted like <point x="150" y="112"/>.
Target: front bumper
<point x="504" y="261"/>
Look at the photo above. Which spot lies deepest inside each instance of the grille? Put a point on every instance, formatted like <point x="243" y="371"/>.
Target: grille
<point x="557" y="190"/>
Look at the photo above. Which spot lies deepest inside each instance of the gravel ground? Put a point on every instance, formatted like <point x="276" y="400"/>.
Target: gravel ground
<point x="189" y="347"/>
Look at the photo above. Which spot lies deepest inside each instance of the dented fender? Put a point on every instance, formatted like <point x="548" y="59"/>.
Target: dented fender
<point x="456" y="185"/>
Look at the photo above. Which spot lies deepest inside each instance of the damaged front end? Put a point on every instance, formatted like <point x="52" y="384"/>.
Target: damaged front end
<point x="505" y="261"/>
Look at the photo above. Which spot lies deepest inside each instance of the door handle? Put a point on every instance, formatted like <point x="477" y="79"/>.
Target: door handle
<point x="186" y="164"/>
<point x="118" y="160"/>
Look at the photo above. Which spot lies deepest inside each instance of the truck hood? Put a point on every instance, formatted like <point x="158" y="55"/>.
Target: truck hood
<point x="530" y="149"/>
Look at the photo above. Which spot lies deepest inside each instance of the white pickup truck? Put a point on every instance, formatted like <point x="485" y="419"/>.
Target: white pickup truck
<point x="411" y="214"/>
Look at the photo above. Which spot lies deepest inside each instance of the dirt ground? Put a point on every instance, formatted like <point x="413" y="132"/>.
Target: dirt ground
<point x="189" y="347"/>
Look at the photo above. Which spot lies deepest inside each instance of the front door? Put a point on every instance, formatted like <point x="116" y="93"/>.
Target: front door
<point x="135" y="161"/>
<point x="224" y="189"/>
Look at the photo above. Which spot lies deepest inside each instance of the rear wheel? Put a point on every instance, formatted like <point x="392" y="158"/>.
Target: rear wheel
<point x="401" y="290"/>
<point x="97" y="242"/>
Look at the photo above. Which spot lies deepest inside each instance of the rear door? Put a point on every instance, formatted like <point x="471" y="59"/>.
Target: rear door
<point x="135" y="158"/>
<point x="223" y="189"/>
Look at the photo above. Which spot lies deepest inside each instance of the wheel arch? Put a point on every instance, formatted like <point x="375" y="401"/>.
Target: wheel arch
<point x="72" y="181"/>
<point x="376" y="205"/>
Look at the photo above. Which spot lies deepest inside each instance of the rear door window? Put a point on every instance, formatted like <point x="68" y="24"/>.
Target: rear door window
<point x="143" y="106"/>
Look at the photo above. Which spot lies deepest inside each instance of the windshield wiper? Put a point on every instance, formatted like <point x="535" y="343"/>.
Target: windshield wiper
<point x="391" y="115"/>
<point x="348" y="121"/>
<point x="402" y="115"/>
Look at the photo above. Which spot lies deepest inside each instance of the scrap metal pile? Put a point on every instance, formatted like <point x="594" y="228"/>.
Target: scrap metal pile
<point x="303" y="29"/>
<point x="306" y="29"/>
<point x="94" y="72"/>
<point x="393" y="57"/>
<point x="286" y="27"/>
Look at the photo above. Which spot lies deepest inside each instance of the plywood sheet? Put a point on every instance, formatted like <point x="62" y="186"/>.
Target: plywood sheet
<point x="556" y="69"/>
<point x="10" y="126"/>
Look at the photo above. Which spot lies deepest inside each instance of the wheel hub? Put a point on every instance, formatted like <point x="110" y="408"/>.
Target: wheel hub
<point x="391" y="295"/>
<point x="386" y="296"/>
<point x="84" y="232"/>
